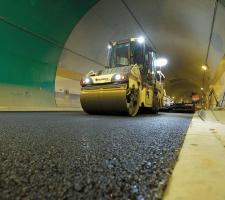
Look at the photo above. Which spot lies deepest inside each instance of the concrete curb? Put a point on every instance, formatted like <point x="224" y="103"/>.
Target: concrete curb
<point x="199" y="173"/>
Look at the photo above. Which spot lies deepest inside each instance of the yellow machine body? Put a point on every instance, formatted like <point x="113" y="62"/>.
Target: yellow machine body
<point x="104" y="95"/>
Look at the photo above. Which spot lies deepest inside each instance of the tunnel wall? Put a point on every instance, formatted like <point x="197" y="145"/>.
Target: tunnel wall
<point x="32" y="36"/>
<point x="218" y="86"/>
<point x="222" y="2"/>
<point x="217" y="57"/>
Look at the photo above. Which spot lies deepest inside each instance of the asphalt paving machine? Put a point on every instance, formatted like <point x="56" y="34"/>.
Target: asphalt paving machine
<point x="131" y="81"/>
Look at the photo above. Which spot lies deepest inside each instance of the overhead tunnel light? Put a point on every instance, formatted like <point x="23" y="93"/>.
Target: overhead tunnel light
<point x="161" y="62"/>
<point x="204" y="67"/>
<point x="141" y="40"/>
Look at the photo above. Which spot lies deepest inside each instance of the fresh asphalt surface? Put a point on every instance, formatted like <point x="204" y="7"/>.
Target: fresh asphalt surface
<point x="72" y="155"/>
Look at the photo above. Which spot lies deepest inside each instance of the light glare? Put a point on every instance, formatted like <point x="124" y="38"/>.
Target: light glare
<point x="204" y="67"/>
<point x="141" y="40"/>
<point x="161" y="62"/>
<point x="87" y="80"/>
<point x="160" y="73"/>
<point x="117" y="77"/>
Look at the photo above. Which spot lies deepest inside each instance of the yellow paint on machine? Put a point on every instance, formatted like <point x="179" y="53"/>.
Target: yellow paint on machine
<point x="147" y="96"/>
<point x="104" y="100"/>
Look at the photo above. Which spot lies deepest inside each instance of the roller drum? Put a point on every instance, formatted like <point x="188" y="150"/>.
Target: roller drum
<point x="109" y="99"/>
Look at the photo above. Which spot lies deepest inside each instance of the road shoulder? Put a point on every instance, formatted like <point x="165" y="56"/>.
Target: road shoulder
<point x="199" y="173"/>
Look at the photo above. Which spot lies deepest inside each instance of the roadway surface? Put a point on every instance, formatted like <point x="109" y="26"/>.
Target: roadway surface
<point x="71" y="155"/>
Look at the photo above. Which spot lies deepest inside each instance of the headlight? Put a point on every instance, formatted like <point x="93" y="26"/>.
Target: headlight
<point x="119" y="78"/>
<point x="86" y="81"/>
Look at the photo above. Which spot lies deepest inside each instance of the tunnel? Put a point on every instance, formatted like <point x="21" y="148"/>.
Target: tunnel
<point x="51" y="149"/>
<point x="33" y="37"/>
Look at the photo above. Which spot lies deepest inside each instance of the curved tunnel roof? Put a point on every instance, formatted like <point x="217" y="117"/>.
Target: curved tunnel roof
<point x="180" y="30"/>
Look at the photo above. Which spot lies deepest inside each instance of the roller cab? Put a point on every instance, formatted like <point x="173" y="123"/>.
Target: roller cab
<point x="128" y="83"/>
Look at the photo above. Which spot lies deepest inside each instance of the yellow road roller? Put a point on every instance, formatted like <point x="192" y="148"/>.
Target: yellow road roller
<point x="130" y="82"/>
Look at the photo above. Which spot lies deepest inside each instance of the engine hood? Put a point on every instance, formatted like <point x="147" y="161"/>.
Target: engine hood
<point x="116" y="70"/>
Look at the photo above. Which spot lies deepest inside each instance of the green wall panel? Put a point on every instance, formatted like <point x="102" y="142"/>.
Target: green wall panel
<point x="26" y="60"/>
<point x="32" y="34"/>
<point x="223" y="2"/>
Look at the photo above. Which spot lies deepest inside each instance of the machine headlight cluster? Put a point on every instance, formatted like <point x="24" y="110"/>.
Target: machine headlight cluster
<point x="119" y="78"/>
<point x="86" y="81"/>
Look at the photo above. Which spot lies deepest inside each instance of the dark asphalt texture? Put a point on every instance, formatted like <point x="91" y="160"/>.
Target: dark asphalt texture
<point x="72" y="155"/>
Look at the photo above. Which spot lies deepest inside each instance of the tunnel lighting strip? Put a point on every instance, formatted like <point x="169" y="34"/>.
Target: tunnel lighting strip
<point x="139" y="24"/>
<point x="211" y="30"/>
<point x="44" y="38"/>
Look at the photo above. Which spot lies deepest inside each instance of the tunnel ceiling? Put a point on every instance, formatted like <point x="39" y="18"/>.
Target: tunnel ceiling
<point x="180" y="30"/>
